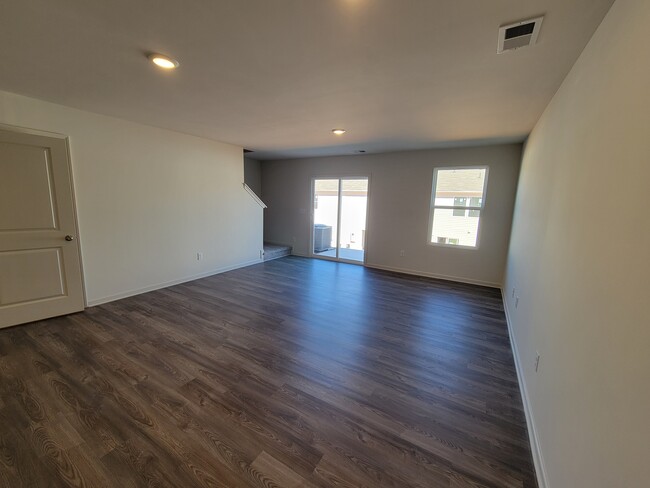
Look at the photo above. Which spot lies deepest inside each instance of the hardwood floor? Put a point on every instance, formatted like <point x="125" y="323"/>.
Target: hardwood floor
<point x="292" y="373"/>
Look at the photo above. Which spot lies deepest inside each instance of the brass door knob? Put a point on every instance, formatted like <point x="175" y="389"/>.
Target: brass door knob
<point x="69" y="238"/>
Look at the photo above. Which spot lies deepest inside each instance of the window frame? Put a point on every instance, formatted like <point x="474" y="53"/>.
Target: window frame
<point x="433" y="207"/>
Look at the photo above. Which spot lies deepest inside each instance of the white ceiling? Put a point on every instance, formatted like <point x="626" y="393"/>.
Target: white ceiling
<point x="276" y="76"/>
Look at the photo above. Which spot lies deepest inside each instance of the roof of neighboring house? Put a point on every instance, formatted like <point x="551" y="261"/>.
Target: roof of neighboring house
<point x="332" y="186"/>
<point x="460" y="180"/>
<point x="456" y="182"/>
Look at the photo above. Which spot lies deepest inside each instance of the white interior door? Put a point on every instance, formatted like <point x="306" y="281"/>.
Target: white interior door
<point x="40" y="267"/>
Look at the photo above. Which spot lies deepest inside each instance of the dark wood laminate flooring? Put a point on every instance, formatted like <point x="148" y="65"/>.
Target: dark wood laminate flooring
<point x="292" y="373"/>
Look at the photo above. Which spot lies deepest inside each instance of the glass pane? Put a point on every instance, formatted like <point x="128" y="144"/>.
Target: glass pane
<point x="458" y="187"/>
<point x="454" y="230"/>
<point x="354" y="204"/>
<point x="326" y="210"/>
<point x="459" y="202"/>
<point x="475" y="202"/>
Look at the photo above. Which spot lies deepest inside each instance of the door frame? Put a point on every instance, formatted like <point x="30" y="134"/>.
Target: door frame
<point x="66" y="139"/>
<point x="340" y="178"/>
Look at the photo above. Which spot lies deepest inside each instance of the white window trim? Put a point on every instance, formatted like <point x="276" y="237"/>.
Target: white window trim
<point x="432" y="207"/>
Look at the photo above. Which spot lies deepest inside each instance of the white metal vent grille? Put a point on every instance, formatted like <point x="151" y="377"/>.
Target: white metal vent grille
<point x="519" y="34"/>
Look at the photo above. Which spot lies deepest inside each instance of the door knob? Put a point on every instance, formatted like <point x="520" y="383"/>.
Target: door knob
<point x="69" y="238"/>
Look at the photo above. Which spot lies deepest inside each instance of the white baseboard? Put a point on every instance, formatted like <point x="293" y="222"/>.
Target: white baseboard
<point x="158" y="286"/>
<point x="266" y="260"/>
<point x="421" y="273"/>
<point x="538" y="460"/>
<point x="300" y="255"/>
<point x="435" y="275"/>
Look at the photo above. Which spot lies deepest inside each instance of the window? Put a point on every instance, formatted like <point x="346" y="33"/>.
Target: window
<point x="456" y="204"/>
<point x="475" y="202"/>
<point x="459" y="204"/>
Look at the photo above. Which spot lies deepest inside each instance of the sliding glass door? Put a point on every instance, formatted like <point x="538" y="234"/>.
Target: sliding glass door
<point x="340" y="208"/>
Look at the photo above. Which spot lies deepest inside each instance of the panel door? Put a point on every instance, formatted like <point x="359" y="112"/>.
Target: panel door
<point x="40" y="267"/>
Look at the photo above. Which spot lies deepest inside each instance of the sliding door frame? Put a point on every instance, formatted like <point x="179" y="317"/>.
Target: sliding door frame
<point x="338" y="217"/>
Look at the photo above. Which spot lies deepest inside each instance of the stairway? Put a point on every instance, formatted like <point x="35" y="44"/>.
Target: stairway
<point x="275" y="251"/>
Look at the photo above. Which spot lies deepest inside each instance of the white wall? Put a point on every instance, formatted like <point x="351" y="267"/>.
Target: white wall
<point x="399" y="203"/>
<point x="580" y="261"/>
<point x="148" y="199"/>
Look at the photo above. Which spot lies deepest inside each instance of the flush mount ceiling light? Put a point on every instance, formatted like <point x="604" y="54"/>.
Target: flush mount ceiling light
<point x="338" y="132"/>
<point x="163" y="61"/>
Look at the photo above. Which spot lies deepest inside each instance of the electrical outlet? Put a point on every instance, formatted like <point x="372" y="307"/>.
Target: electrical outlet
<point x="401" y="253"/>
<point x="536" y="361"/>
<point x="516" y="302"/>
<point x="199" y="256"/>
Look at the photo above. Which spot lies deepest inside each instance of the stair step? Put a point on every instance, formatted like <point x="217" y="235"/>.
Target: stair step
<point x="275" y="251"/>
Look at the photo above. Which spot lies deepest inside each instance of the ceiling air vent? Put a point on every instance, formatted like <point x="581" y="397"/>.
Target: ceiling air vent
<point x="519" y="34"/>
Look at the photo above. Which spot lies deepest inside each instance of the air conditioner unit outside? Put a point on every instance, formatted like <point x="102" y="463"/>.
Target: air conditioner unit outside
<point x="322" y="237"/>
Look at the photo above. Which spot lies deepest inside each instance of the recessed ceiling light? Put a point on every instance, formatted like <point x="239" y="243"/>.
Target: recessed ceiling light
<point x="338" y="132"/>
<point x="163" y="61"/>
